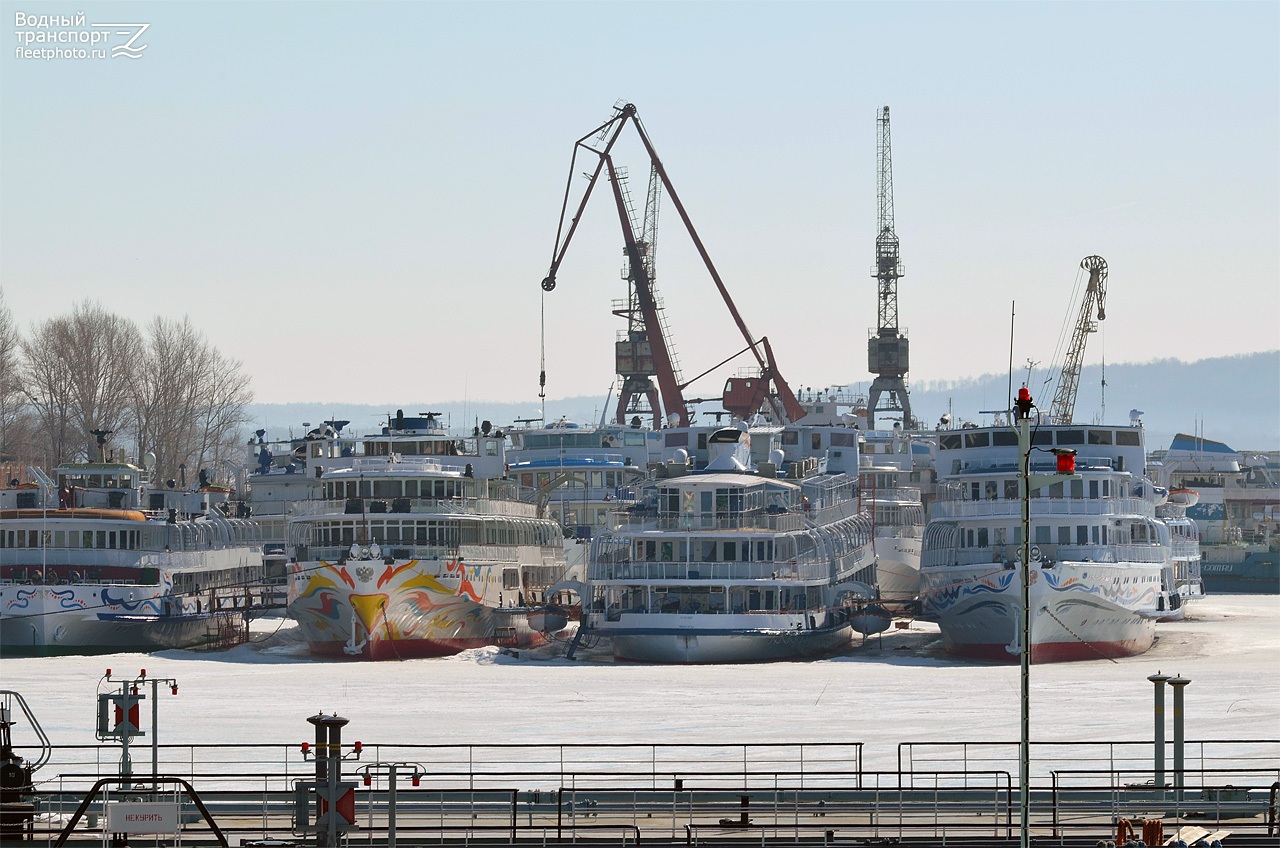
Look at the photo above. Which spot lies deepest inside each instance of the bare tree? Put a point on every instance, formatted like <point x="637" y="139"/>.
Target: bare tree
<point x="46" y="382"/>
<point x="188" y="401"/>
<point x="77" y="372"/>
<point x="172" y="393"/>
<point x="15" y="426"/>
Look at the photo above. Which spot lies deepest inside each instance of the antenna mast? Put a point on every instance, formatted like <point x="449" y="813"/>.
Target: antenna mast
<point x="887" y="348"/>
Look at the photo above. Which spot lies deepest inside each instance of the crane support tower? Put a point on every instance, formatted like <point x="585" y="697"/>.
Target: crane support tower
<point x="1095" y="298"/>
<point x="633" y="354"/>
<point x="887" y="349"/>
<point x="655" y="353"/>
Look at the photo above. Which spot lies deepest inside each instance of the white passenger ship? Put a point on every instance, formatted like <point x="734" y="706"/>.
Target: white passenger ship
<point x="885" y="482"/>
<point x="98" y="561"/>
<point x="1101" y="562"/>
<point x="724" y="565"/>
<point x="420" y="547"/>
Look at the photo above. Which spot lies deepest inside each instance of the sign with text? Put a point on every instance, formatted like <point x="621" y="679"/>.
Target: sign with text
<point x="142" y="817"/>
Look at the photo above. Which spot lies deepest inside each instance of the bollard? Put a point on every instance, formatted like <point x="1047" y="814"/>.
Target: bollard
<point x="1159" y="680"/>
<point x="1178" y="684"/>
<point x="329" y="785"/>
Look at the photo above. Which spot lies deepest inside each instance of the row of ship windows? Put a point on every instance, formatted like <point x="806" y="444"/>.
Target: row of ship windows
<point x="594" y="479"/>
<point x="399" y="489"/>
<point x="531" y="441"/>
<point x="723" y="501"/>
<point x="991" y="490"/>
<point x="437" y="533"/>
<point x="1065" y="438"/>
<point x="1043" y="534"/>
<point x="705" y="599"/>
<point x="645" y="550"/>
<point x="125" y="540"/>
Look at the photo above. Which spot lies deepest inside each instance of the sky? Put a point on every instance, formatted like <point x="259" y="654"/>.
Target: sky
<point x="358" y="201"/>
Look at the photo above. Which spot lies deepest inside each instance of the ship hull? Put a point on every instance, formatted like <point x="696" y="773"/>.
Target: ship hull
<point x="1253" y="573"/>
<point x="897" y="568"/>
<point x="666" y="638"/>
<point x="67" y="619"/>
<point x="403" y="609"/>
<point x="1080" y="611"/>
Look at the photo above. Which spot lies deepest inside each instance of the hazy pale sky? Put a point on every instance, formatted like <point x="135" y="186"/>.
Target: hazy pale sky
<point x="358" y="200"/>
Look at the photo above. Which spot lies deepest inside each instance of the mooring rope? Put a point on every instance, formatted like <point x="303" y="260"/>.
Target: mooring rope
<point x="1091" y="646"/>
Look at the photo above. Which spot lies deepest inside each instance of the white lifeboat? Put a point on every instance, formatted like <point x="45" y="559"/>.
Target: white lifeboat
<point x="1184" y="497"/>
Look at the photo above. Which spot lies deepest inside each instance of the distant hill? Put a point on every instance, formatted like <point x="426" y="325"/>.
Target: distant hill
<point x="1234" y="399"/>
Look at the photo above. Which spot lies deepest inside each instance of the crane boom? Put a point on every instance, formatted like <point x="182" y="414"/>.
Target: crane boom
<point x="669" y="384"/>
<point x="1095" y="298"/>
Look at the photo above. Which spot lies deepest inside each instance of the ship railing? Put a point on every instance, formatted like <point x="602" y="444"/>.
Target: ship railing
<point x="1040" y="507"/>
<point x="897" y="494"/>
<point x="1084" y="462"/>
<point x="1001" y="556"/>
<point x="410" y="463"/>
<point x="723" y="571"/>
<point x="761" y="522"/>
<point x="489" y="553"/>
<point x="1185" y="549"/>
<point x="391" y="508"/>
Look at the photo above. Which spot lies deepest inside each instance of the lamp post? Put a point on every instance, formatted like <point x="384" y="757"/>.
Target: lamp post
<point x="1066" y="466"/>
<point x="415" y="771"/>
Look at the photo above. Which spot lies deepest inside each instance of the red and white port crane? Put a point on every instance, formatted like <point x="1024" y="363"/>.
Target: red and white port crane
<point x="742" y="396"/>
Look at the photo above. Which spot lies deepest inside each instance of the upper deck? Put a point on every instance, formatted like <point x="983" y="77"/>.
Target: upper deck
<point x="986" y="449"/>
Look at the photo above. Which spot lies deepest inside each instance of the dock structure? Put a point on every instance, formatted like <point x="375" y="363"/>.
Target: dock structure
<point x="387" y="794"/>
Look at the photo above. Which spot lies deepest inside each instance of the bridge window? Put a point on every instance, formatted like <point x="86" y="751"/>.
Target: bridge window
<point x="1071" y="437"/>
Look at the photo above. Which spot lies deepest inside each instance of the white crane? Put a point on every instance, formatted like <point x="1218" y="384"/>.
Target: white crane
<point x="1095" y="297"/>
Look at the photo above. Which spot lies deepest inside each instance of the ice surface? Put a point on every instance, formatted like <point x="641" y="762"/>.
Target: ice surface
<point x="899" y="689"/>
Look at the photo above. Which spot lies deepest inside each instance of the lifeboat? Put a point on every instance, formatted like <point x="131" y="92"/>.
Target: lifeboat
<point x="870" y="619"/>
<point x="1184" y="497"/>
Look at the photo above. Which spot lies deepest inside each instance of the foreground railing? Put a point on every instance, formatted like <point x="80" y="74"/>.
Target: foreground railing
<point x="664" y="793"/>
<point x="880" y="808"/>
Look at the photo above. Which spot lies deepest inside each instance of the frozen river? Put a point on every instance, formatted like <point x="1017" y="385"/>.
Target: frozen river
<point x="898" y="689"/>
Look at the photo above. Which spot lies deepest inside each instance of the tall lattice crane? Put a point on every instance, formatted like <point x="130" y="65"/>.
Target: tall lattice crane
<point x="1095" y="298"/>
<point x="633" y="353"/>
<point x="888" y="353"/>
<point x="742" y="397"/>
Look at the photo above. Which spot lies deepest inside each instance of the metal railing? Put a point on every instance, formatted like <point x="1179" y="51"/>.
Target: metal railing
<point x="1041" y="507"/>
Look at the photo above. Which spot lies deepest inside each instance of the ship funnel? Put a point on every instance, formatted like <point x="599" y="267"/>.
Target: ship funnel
<point x="729" y="450"/>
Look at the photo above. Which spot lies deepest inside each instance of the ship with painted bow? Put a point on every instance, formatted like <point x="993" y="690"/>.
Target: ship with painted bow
<point x="1101" y="564"/>
<point x="98" y="560"/>
<point x="419" y="546"/>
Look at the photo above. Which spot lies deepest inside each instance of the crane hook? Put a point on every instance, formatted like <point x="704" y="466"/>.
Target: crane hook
<point x="549" y="283"/>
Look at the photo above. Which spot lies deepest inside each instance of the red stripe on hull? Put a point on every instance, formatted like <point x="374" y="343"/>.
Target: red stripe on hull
<point x="1055" y="651"/>
<point x="406" y="649"/>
